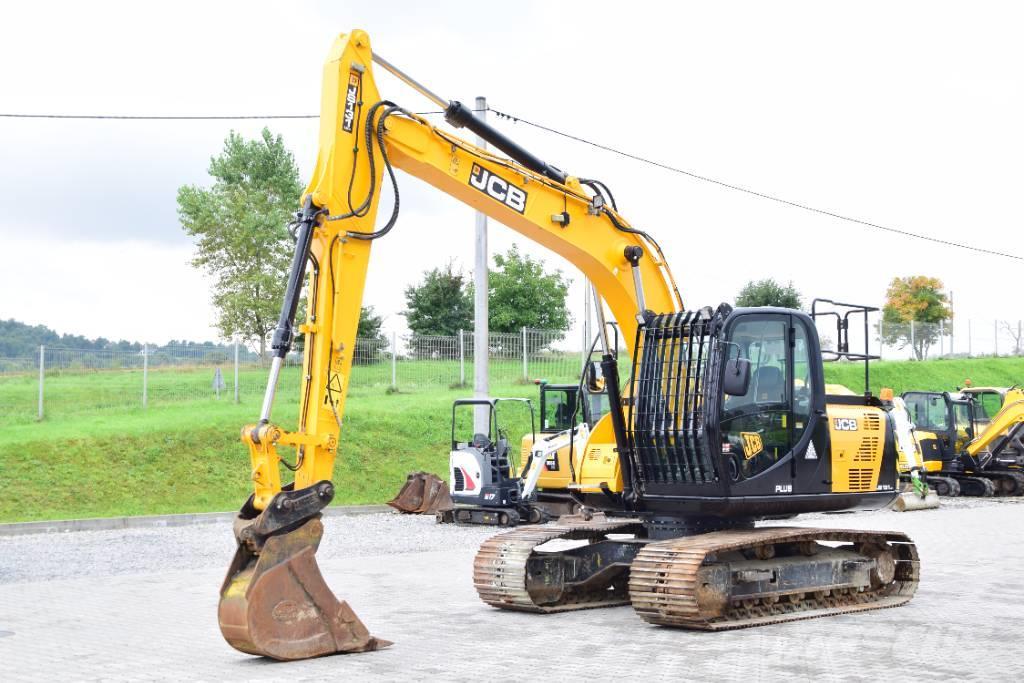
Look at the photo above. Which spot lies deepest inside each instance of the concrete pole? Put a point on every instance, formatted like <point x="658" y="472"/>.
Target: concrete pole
<point x="913" y="347"/>
<point x="952" y="323"/>
<point x="969" y="351"/>
<point x="481" y="333"/>
<point x="236" y="371"/>
<point x="145" y="376"/>
<point x="42" y="377"/>
<point x="462" y="360"/>
<point x="394" y="360"/>
<point x="995" y="337"/>
<point x="526" y="361"/>
<point x="881" y="338"/>
<point x="942" y="338"/>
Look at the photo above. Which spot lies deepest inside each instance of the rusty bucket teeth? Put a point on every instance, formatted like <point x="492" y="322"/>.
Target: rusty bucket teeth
<point x="275" y="602"/>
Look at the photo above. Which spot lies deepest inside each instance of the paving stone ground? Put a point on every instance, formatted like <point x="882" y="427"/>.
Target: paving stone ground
<point x="141" y="604"/>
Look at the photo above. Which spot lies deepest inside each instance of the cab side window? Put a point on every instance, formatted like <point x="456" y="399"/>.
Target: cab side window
<point x="557" y="411"/>
<point x="756" y="427"/>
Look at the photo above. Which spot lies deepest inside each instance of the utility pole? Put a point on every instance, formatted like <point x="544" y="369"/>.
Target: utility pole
<point x="952" y="322"/>
<point x="481" y="333"/>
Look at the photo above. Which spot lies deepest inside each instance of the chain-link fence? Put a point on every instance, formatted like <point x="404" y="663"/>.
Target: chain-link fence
<point x="961" y="338"/>
<point x="956" y="339"/>
<point x="59" y="382"/>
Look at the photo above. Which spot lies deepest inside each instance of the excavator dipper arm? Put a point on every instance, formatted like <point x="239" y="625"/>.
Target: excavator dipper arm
<point x="274" y="600"/>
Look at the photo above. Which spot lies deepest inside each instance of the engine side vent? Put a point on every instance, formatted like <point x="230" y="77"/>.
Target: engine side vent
<point x="868" y="449"/>
<point x="458" y="479"/>
<point x="860" y="480"/>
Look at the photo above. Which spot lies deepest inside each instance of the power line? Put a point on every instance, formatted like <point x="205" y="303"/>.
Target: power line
<point x="755" y="193"/>
<point x="119" y="117"/>
<point x="175" y="117"/>
<point x="548" y="129"/>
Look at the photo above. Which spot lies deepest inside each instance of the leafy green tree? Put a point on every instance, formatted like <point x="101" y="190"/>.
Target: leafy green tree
<point x="369" y="337"/>
<point x="370" y="324"/>
<point x="440" y="304"/>
<point x="240" y="227"/>
<point x="524" y="294"/>
<point x="768" y="292"/>
<point x="916" y="298"/>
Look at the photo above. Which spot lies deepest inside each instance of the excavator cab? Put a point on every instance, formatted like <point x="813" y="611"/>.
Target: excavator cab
<point x="945" y="425"/>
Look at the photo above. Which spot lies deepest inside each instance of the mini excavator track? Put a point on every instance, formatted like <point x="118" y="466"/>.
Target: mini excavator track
<point x="740" y="578"/>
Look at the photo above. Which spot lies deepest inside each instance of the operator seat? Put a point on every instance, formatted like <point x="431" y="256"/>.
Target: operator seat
<point x="768" y="381"/>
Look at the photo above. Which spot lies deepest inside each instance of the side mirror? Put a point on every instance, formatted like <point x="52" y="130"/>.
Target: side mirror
<point x="737" y="377"/>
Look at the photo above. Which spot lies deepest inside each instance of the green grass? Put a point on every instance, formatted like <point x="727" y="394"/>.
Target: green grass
<point x="187" y="457"/>
<point x="184" y="455"/>
<point x="932" y="375"/>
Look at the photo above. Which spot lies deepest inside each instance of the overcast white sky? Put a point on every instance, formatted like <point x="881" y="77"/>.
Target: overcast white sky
<point x="905" y="114"/>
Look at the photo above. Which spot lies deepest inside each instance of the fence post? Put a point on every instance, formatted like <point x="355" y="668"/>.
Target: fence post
<point x="42" y="377"/>
<point x="462" y="359"/>
<point x="236" y="371"/>
<point x="145" y="376"/>
<point x="526" y="362"/>
<point x="970" y="352"/>
<point x="394" y="360"/>
<point x="913" y="346"/>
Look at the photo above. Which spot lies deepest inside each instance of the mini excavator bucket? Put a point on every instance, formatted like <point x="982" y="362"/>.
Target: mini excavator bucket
<point x="916" y="495"/>
<point x="274" y="601"/>
<point x="422" y="493"/>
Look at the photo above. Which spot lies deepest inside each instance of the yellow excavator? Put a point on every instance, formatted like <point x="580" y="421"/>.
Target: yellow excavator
<point x="723" y="420"/>
<point x="963" y="457"/>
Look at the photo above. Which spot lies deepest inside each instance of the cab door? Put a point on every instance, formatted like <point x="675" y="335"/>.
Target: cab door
<point x="766" y="433"/>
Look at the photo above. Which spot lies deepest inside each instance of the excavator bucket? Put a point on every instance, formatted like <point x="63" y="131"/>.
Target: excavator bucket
<point x="274" y="601"/>
<point x="422" y="493"/>
<point x="916" y="496"/>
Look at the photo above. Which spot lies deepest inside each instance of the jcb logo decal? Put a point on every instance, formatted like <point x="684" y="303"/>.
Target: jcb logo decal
<point x="351" y="97"/>
<point x="845" y="424"/>
<point x="752" y="444"/>
<point x="498" y="188"/>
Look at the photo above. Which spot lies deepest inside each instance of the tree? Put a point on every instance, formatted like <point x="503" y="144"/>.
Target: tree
<point x="369" y="324"/>
<point x="1016" y="333"/>
<point x="240" y="226"/>
<point x="440" y="304"/>
<point x="522" y="294"/>
<point x="917" y="299"/>
<point x="369" y="338"/>
<point x="768" y="292"/>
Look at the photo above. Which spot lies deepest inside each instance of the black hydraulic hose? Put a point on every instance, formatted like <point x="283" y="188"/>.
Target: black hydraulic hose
<point x="576" y="407"/>
<point x="392" y="108"/>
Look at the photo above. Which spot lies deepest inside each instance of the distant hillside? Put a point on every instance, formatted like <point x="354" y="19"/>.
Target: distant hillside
<point x="18" y="340"/>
